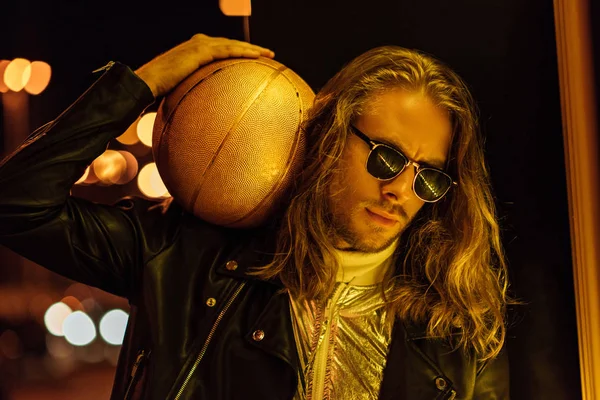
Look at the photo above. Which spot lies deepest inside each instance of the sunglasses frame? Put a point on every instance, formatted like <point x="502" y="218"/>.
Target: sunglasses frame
<point x="373" y="144"/>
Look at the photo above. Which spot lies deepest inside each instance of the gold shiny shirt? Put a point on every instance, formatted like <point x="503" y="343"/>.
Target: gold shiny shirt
<point x="343" y="343"/>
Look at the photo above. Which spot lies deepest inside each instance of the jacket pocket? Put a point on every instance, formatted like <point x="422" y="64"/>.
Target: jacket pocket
<point x="137" y="371"/>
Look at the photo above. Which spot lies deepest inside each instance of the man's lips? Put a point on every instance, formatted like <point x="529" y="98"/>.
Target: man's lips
<point x="383" y="218"/>
<point x="385" y="215"/>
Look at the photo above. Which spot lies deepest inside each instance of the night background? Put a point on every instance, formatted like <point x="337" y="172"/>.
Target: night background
<point x="504" y="49"/>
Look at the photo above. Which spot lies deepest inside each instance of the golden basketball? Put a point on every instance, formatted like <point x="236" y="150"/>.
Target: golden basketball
<point x="227" y="140"/>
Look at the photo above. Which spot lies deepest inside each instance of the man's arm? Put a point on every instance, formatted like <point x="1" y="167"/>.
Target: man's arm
<point x="91" y="243"/>
<point x="87" y="242"/>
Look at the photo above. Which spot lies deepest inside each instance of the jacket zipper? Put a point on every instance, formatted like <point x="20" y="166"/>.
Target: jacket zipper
<point x="208" y="339"/>
<point x="104" y="68"/>
<point x="322" y="354"/>
<point x="137" y="367"/>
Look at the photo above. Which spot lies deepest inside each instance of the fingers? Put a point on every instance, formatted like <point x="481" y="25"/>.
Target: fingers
<point x="220" y="52"/>
<point x="263" y="51"/>
<point x="223" y="47"/>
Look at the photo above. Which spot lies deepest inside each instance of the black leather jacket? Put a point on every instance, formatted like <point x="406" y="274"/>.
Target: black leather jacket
<point x="193" y="308"/>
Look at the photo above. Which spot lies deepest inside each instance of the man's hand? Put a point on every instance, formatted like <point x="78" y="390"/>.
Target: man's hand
<point x="165" y="72"/>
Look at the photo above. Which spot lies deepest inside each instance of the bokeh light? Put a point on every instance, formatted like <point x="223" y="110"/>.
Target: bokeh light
<point x="17" y="74"/>
<point x="79" y="329"/>
<point x="73" y="303"/>
<point x="58" y="348"/>
<point x="55" y="317"/>
<point x="144" y="128"/>
<point x="40" y="77"/>
<point x="3" y="65"/>
<point x="112" y="326"/>
<point x="109" y="166"/>
<point x="235" y="8"/>
<point x="150" y="182"/>
<point x="131" y="168"/>
<point x="130" y="136"/>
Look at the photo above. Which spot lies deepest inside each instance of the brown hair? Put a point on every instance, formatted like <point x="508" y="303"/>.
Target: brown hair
<point x="451" y="271"/>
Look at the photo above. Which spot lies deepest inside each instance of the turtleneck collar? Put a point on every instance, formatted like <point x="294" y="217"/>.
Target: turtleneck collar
<point x="363" y="269"/>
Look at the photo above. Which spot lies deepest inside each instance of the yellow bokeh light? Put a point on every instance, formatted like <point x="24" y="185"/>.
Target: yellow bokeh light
<point x="85" y="175"/>
<point x="235" y="8"/>
<point x="144" y="128"/>
<point x="3" y="65"/>
<point x="40" y="77"/>
<point x="130" y="136"/>
<point x="109" y="166"/>
<point x="15" y="74"/>
<point x="131" y="170"/>
<point x="150" y="182"/>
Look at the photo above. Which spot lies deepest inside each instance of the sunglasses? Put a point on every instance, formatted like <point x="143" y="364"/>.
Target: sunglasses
<point x="385" y="162"/>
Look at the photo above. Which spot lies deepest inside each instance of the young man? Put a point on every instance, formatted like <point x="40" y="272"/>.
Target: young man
<point x="383" y="278"/>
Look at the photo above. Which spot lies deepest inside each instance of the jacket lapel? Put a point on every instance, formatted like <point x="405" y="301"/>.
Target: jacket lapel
<point x="276" y="323"/>
<point x="410" y="373"/>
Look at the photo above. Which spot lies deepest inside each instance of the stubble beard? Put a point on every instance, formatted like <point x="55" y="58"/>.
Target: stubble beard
<point x="347" y="238"/>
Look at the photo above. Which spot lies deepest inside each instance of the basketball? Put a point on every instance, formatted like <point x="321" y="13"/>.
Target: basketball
<point x="227" y="141"/>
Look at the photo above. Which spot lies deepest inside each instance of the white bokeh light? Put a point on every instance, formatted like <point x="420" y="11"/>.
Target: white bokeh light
<point x="55" y="317"/>
<point x="150" y="183"/>
<point x="145" y="127"/>
<point x="79" y="329"/>
<point x="112" y="326"/>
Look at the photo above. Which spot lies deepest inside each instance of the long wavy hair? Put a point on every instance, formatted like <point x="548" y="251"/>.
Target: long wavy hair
<point x="450" y="271"/>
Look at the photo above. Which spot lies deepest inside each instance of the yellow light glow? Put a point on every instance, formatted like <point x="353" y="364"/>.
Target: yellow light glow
<point x="110" y="166"/>
<point x="235" y="8"/>
<point x="39" y="79"/>
<point x="86" y="173"/>
<point x="3" y="65"/>
<point x="131" y="168"/>
<point x="144" y="128"/>
<point x="130" y="136"/>
<point x="150" y="182"/>
<point x="17" y="74"/>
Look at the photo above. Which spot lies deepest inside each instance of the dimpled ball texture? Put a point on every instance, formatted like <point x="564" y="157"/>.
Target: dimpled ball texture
<point x="227" y="140"/>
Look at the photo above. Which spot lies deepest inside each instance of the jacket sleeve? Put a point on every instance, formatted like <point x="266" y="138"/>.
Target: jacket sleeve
<point x="492" y="382"/>
<point x="90" y="243"/>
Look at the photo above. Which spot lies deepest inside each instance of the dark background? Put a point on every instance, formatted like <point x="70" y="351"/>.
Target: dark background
<point x="504" y="49"/>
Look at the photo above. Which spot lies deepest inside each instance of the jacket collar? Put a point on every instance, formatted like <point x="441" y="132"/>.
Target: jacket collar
<point x="253" y="248"/>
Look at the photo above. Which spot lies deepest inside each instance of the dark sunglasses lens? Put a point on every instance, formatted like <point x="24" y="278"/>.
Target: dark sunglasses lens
<point x="431" y="185"/>
<point x="385" y="163"/>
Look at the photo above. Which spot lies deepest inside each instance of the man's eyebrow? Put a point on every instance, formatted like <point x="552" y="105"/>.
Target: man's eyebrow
<point x="432" y="162"/>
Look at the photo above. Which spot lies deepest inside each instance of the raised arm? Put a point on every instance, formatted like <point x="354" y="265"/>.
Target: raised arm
<point x="100" y="245"/>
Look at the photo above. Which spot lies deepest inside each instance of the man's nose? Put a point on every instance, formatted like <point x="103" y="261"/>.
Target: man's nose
<point x="400" y="188"/>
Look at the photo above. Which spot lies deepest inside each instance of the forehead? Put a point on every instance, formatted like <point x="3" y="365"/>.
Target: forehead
<point x="410" y="121"/>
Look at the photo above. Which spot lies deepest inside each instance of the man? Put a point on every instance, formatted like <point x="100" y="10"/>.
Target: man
<point x="383" y="278"/>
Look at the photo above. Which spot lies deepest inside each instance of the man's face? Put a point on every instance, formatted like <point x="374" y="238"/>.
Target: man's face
<point x="409" y="122"/>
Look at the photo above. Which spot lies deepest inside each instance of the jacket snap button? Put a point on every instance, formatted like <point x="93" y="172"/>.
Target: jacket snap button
<point x="211" y="302"/>
<point x="231" y="265"/>
<point x="440" y="383"/>
<point x="258" y="335"/>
